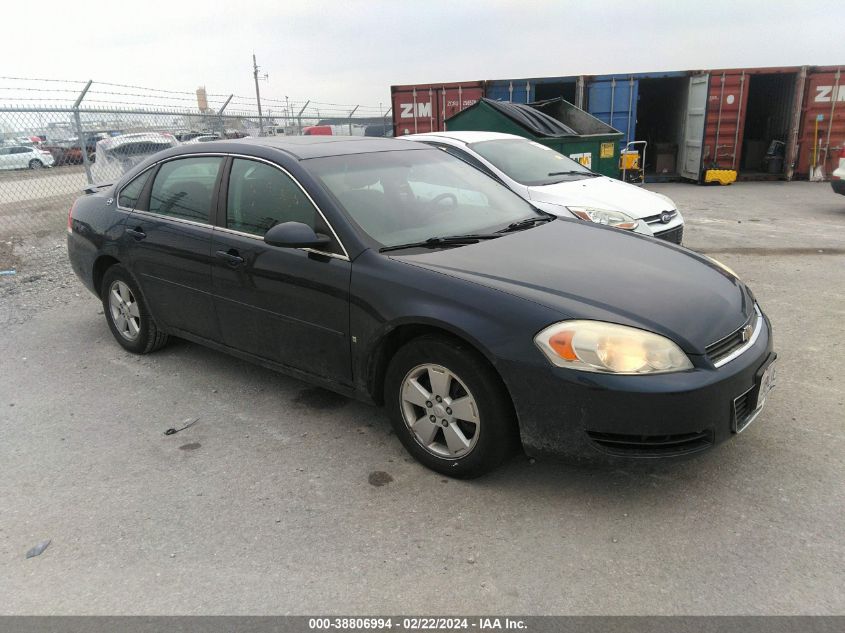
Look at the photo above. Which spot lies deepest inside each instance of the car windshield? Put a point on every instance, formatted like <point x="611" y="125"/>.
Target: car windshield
<point x="530" y="163"/>
<point x="401" y="197"/>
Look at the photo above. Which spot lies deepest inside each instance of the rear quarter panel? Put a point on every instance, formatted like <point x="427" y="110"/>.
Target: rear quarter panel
<point x="95" y="231"/>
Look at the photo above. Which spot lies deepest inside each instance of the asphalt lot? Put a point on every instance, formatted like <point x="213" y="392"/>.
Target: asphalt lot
<point x="265" y="505"/>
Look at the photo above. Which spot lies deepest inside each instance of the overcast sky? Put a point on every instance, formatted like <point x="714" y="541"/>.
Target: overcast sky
<point x="352" y="51"/>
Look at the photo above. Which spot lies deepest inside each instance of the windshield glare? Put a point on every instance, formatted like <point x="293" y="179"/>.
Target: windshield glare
<point x="408" y="196"/>
<point x="529" y="163"/>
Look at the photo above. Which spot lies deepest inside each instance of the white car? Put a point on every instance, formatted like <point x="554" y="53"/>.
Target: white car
<point x="557" y="184"/>
<point x="24" y="157"/>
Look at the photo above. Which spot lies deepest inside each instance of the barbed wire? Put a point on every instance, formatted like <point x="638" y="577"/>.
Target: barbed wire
<point x="101" y="94"/>
<point x="68" y="81"/>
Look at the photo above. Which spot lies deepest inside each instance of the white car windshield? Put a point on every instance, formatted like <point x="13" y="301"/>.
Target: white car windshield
<point x="530" y="163"/>
<point x="402" y="197"/>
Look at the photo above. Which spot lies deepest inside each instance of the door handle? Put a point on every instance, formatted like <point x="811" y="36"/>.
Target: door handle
<point x="137" y="233"/>
<point x="231" y="256"/>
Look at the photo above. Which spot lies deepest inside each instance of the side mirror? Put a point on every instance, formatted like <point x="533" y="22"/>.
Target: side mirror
<point x="295" y="235"/>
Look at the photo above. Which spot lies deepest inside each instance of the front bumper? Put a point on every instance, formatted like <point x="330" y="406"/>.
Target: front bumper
<point x="838" y="186"/>
<point x="581" y="414"/>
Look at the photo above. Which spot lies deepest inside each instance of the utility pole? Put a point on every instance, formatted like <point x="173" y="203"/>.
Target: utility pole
<point x="258" y="94"/>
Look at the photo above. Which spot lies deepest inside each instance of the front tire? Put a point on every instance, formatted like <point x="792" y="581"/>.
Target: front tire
<point x="449" y="408"/>
<point x="35" y="164"/>
<point x="127" y="315"/>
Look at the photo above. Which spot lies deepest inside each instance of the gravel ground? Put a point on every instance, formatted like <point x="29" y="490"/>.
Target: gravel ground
<point x="283" y="498"/>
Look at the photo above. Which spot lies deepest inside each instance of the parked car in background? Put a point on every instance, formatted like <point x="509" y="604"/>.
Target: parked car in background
<point x="317" y="130"/>
<point x="560" y="185"/>
<point x="837" y="178"/>
<point x="68" y="152"/>
<point x="204" y="138"/>
<point x="183" y="136"/>
<point x="24" y="157"/>
<point x="396" y="273"/>
<point x="118" y="154"/>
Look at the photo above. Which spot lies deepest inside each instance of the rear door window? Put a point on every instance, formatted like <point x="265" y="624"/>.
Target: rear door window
<point x="128" y="197"/>
<point x="184" y="188"/>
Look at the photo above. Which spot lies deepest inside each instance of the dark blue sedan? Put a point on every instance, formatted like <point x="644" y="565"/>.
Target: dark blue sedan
<point x="397" y="274"/>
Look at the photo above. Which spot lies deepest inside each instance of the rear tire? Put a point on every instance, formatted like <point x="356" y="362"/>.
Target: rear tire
<point x="127" y="315"/>
<point x="449" y="408"/>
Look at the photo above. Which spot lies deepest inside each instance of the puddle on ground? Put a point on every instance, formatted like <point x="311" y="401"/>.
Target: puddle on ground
<point x="379" y="478"/>
<point x="190" y="447"/>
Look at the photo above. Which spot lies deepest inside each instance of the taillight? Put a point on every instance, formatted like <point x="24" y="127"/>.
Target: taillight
<point x="70" y="217"/>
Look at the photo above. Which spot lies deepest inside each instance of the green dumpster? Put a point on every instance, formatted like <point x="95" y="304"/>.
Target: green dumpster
<point x="555" y="123"/>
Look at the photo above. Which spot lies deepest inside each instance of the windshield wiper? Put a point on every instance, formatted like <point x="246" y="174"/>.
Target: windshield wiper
<point x="527" y="223"/>
<point x="573" y="172"/>
<point x="449" y="240"/>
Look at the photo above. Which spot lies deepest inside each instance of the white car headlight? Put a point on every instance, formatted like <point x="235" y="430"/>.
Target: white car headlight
<point x="606" y="347"/>
<point x="616" y="219"/>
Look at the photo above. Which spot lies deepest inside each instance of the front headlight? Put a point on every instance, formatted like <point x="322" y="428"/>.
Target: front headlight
<point x="607" y="347"/>
<point x="616" y="219"/>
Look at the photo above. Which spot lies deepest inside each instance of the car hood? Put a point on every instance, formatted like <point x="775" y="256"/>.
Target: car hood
<point x="603" y="193"/>
<point x="587" y="271"/>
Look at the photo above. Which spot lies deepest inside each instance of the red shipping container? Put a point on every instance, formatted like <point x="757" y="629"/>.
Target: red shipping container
<point x="748" y="109"/>
<point x="824" y="103"/>
<point x="425" y="107"/>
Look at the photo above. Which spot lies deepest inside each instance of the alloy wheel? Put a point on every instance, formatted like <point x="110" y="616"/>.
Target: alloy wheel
<point x="124" y="310"/>
<point x="440" y="411"/>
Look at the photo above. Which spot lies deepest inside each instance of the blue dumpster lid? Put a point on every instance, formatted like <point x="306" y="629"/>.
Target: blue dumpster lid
<point x="536" y="122"/>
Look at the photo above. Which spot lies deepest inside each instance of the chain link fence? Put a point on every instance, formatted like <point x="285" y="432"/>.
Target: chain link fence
<point x="79" y="133"/>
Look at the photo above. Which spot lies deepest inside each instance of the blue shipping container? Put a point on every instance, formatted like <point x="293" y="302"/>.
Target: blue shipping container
<point x="532" y="89"/>
<point x="613" y="99"/>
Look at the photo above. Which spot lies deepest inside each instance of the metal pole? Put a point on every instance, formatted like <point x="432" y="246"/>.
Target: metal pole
<point x="257" y="95"/>
<point x="414" y="93"/>
<point x="612" y="99"/>
<point x="299" y="116"/>
<point x="223" y="107"/>
<point x="832" y="114"/>
<point x="630" y="106"/>
<point x="738" y="117"/>
<point x="79" y="135"/>
<point x="384" y="120"/>
<point x="350" y="119"/>
<point x="220" y="115"/>
<point x="718" y="124"/>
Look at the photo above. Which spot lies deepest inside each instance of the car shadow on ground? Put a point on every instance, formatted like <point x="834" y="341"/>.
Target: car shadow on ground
<point x="559" y="483"/>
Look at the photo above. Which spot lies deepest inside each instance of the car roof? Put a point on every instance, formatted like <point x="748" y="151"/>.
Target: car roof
<point x="465" y="137"/>
<point x="304" y="147"/>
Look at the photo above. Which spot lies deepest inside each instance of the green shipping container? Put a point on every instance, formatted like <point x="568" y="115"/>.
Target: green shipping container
<point x="555" y="123"/>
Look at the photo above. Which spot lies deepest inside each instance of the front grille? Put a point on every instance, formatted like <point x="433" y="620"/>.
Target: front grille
<point x="652" y="445"/>
<point x="733" y="341"/>
<point x="675" y="235"/>
<point x="659" y="217"/>
<point x="743" y="411"/>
